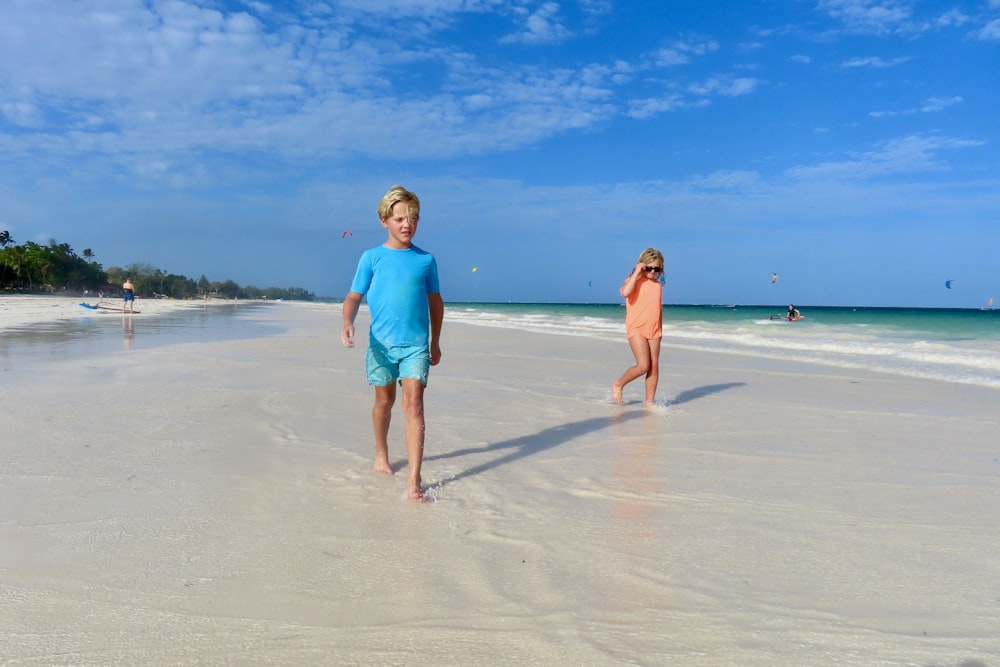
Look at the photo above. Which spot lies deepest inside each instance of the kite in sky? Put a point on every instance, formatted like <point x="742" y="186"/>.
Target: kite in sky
<point x="347" y="233"/>
<point x="947" y="284"/>
<point x="475" y="268"/>
<point x="774" y="277"/>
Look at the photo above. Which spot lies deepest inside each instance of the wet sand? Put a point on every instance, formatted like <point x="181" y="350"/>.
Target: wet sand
<point x="213" y="502"/>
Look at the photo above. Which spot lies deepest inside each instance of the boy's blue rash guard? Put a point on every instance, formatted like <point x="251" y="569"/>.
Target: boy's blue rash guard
<point x="396" y="284"/>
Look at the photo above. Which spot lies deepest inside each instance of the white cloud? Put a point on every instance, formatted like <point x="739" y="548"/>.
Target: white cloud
<point x="870" y="16"/>
<point x="24" y="114"/>
<point x="989" y="31"/>
<point x="727" y="180"/>
<point x="931" y="105"/>
<point x="904" y="155"/>
<point x="681" y="52"/>
<point x="940" y="103"/>
<point x="653" y="106"/>
<point x="596" y="6"/>
<point x="152" y="85"/>
<point x="875" y="62"/>
<point x="725" y="87"/>
<point x="541" y="26"/>
<point x="953" y="17"/>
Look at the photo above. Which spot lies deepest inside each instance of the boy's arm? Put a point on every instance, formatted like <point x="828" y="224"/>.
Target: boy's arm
<point x="436" y="306"/>
<point x="351" y="304"/>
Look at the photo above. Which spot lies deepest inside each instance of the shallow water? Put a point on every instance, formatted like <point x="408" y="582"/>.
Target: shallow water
<point x="99" y="333"/>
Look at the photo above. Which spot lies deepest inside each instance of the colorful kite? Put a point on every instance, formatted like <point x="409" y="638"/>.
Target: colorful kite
<point x="346" y="233"/>
<point x="774" y="277"/>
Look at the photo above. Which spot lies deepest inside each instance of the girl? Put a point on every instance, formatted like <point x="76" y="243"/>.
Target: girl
<point x="643" y="292"/>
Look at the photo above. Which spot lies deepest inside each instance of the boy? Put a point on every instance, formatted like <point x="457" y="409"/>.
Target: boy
<point x="401" y="282"/>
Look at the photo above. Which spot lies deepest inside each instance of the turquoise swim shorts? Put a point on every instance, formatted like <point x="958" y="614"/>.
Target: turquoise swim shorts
<point x="384" y="365"/>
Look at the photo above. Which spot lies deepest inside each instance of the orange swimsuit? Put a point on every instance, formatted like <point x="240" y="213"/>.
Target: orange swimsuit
<point x="644" y="309"/>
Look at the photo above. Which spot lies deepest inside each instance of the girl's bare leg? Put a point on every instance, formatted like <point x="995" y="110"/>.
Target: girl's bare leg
<point x="653" y="374"/>
<point x="385" y="397"/>
<point x="413" y="409"/>
<point x="640" y="349"/>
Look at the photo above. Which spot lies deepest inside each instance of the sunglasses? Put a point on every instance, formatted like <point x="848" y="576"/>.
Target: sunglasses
<point x="657" y="269"/>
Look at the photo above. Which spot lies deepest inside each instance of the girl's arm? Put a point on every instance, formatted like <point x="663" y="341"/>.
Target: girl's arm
<point x="629" y="285"/>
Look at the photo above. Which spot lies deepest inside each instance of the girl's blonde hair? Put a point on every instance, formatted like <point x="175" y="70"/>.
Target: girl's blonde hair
<point x="650" y="255"/>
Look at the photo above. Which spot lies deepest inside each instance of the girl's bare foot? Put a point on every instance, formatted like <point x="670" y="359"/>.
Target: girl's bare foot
<point x="616" y="393"/>
<point x="383" y="467"/>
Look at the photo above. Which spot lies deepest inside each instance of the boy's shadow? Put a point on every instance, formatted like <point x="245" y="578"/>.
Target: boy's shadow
<point x="527" y="445"/>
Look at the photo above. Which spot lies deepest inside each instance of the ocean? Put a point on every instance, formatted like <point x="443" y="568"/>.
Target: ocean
<point x="951" y="345"/>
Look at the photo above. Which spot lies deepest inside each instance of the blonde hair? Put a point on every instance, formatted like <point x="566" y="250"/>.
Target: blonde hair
<point x="396" y="194"/>
<point x="651" y="255"/>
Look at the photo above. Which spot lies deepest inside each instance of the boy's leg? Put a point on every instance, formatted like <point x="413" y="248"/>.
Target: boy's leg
<point x="413" y="409"/>
<point x="385" y="397"/>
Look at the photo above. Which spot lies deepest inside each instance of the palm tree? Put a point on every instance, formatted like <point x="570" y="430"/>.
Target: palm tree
<point x="5" y="240"/>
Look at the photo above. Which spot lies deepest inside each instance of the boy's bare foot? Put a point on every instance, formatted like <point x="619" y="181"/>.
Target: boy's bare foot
<point x="416" y="491"/>
<point x="616" y="393"/>
<point x="383" y="467"/>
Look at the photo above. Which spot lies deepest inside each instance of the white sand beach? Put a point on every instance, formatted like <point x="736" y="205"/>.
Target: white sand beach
<point x="213" y="503"/>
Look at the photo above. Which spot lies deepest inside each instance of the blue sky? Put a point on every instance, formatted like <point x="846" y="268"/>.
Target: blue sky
<point x="850" y="146"/>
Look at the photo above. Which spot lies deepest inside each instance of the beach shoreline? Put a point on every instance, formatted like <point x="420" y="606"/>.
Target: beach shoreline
<point x="214" y="502"/>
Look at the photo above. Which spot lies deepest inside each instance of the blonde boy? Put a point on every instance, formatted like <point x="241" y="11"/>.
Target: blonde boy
<point x="401" y="284"/>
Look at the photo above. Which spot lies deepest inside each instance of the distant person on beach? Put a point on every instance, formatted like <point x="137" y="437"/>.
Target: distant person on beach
<point x="401" y="283"/>
<point x="128" y="295"/>
<point x="643" y="292"/>
<point x="793" y="312"/>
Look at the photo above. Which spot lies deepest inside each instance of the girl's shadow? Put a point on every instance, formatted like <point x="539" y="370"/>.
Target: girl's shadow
<point x="707" y="390"/>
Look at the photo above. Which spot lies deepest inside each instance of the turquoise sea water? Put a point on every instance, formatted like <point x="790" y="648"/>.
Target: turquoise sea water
<point x="943" y="344"/>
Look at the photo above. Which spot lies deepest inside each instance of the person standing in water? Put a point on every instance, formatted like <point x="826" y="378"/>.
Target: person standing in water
<point x="401" y="283"/>
<point x="643" y="292"/>
<point x="128" y="295"/>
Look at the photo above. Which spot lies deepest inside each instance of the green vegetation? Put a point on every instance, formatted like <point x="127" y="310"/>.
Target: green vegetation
<point x="56" y="267"/>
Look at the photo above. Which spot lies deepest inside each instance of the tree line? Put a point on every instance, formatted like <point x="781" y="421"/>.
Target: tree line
<point x="56" y="267"/>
